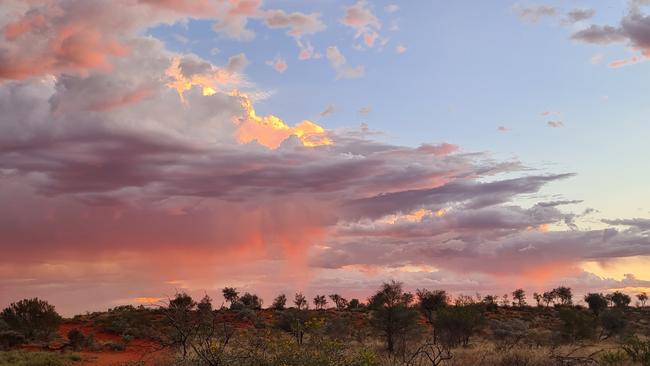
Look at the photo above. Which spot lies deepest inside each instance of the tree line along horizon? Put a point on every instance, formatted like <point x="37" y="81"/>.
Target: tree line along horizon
<point x="561" y="295"/>
<point x="391" y="310"/>
<point x="392" y="314"/>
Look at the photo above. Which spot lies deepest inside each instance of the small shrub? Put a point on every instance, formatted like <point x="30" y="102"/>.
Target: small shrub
<point x="115" y="346"/>
<point x="24" y="358"/>
<point x="127" y="338"/>
<point x="613" y="358"/>
<point x="76" y="339"/>
<point x="129" y="320"/>
<point x="539" y="337"/>
<point x="339" y="328"/>
<point x="517" y="358"/>
<point x="613" y="322"/>
<point x="576" y="325"/>
<point x="11" y="339"/>
<point x="508" y="333"/>
<point x="637" y="350"/>
<point x="456" y="324"/>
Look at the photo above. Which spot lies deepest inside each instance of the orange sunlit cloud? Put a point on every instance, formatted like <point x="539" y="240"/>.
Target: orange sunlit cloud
<point x="147" y="300"/>
<point x="271" y="131"/>
<point x="210" y="82"/>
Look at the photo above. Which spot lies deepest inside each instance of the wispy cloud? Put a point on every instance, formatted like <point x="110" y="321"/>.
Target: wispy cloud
<point x="341" y="66"/>
<point x="534" y="13"/>
<point x="360" y="17"/>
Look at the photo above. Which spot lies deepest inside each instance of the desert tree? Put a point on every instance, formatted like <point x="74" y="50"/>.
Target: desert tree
<point x="619" y="299"/>
<point x="319" y="302"/>
<point x="491" y="302"/>
<point x="643" y="297"/>
<point x="596" y="302"/>
<point x="549" y="297"/>
<point x="504" y="300"/>
<point x="197" y="327"/>
<point x="300" y="301"/>
<point x="178" y="314"/>
<point x="429" y="303"/>
<point x="250" y="301"/>
<point x="230" y="294"/>
<point x="390" y="312"/>
<point x="339" y="301"/>
<point x="354" y="304"/>
<point x="280" y="302"/>
<point x="564" y="294"/>
<point x="35" y="319"/>
<point x="519" y="297"/>
<point x="538" y="298"/>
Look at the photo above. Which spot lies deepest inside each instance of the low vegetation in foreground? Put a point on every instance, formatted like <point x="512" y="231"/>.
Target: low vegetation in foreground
<point x="393" y="327"/>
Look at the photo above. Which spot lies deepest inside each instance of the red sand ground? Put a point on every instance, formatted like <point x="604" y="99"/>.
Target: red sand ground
<point x="137" y="350"/>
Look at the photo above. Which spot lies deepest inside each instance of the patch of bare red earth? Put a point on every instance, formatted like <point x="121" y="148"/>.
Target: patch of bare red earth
<point x="137" y="350"/>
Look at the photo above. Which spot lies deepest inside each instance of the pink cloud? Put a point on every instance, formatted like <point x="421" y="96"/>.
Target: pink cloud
<point x="279" y="64"/>
<point x="361" y="18"/>
<point x="370" y="38"/>
<point x="121" y="100"/>
<point x="298" y="24"/>
<point x="631" y="61"/>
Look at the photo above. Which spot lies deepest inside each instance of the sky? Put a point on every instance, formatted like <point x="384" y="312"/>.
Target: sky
<point x="155" y="146"/>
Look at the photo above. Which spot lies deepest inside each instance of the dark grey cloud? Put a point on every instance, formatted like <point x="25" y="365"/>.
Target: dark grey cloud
<point x="600" y="34"/>
<point x="558" y="203"/>
<point x="471" y="193"/>
<point x="640" y="224"/>
<point x="634" y="29"/>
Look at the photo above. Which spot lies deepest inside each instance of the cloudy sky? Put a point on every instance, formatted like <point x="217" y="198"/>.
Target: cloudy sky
<point x="152" y="146"/>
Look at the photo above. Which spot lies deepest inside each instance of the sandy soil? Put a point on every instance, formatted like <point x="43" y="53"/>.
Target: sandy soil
<point x="138" y="350"/>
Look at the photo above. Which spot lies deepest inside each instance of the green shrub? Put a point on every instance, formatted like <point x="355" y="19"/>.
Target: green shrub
<point x="508" y="333"/>
<point x="613" y="358"/>
<point x="340" y="327"/>
<point x="520" y="358"/>
<point x="129" y="321"/>
<point x="613" y="322"/>
<point x="576" y="324"/>
<point x="23" y="358"/>
<point x="34" y="318"/>
<point x="115" y="346"/>
<point x="76" y="339"/>
<point x="637" y="350"/>
<point x="456" y="324"/>
<point x="11" y="339"/>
